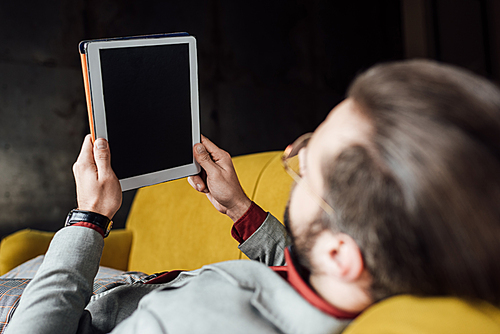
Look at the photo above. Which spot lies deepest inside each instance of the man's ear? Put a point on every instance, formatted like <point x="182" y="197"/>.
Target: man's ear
<point x="338" y="256"/>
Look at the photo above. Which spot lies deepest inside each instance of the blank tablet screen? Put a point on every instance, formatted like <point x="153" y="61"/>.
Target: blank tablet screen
<point x="148" y="107"/>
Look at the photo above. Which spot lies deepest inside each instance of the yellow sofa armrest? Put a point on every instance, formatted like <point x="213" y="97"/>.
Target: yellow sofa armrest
<point x="427" y="315"/>
<point x="22" y="246"/>
<point x="26" y="244"/>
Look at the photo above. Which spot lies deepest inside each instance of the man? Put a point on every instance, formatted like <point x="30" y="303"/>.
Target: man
<point x="397" y="192"/>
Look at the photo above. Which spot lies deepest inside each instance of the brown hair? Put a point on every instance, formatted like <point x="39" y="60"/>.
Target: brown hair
<point x="425" y="207"/>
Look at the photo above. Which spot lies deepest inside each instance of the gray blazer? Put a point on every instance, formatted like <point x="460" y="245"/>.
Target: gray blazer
<point x="228" y="297"/>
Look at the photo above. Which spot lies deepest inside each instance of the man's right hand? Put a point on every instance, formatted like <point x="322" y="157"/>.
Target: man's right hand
<point x="97" y="187"/>
<point x="218" y="180"/>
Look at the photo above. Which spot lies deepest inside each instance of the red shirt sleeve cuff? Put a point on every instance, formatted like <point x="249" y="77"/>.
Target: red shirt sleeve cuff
<point x="248" y="223"/>
<point x="92" y="226"/>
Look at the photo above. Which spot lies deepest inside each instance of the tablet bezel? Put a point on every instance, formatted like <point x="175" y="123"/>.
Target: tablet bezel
<point x="98" y="108"/>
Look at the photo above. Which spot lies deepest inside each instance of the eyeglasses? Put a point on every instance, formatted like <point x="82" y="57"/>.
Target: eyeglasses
<point x="291" y="163"/>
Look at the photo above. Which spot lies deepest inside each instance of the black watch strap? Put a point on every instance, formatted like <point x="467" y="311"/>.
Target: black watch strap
<point x="77" y="216"/>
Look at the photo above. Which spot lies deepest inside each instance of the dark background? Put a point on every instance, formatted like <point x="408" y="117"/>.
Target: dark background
<point x="268" y="71"/>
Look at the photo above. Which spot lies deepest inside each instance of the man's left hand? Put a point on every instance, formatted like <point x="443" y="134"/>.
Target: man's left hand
<point x="220" y="182"/>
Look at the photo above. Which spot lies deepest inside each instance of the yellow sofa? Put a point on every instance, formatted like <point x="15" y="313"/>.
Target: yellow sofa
<point x="171" y="226"/>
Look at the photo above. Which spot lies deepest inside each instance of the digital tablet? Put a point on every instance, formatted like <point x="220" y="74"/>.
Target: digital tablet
<point x="142" y="96"/>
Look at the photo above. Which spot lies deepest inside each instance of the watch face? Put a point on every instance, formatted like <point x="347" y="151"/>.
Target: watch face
<point x="110" y="225"/>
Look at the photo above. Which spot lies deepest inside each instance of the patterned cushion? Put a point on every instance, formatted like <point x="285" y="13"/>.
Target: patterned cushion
<point x="13" y="283"/>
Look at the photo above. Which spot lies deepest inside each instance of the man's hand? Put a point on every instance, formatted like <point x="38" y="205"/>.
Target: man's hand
<point x="97" y="187"/>
<point x="218" y="180"/>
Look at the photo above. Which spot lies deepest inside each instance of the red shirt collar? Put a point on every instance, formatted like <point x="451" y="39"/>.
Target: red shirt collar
<point x="289" y="272"/>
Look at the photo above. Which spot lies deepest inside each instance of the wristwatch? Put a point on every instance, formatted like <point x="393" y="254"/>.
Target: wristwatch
<point x="78" y="216"/>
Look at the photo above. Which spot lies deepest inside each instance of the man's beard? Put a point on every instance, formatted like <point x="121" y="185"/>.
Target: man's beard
<point x="301" y="245"/>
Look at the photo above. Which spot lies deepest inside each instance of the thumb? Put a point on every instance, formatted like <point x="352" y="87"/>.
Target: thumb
<point x="101" y="155"/>
<point x="204" y="158"/>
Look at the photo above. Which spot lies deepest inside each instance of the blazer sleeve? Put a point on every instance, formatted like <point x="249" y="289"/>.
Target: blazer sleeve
<point x="54" y="301"/>
<point x="268" y="243"/>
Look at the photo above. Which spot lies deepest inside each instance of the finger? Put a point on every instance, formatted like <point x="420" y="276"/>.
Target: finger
<point x="216" y="153"/>
<point x="204" y="158"/>
<point x="102" y="156"/>
<point x="86" y="155"/>
<point x="203" y="176"/>
<point x="197" y="183"/>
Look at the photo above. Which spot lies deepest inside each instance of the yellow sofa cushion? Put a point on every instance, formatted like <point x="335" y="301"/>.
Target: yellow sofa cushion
<point x="272" y="190"/>
<point x="415" y="315"/>
<point x="175" y="227"/>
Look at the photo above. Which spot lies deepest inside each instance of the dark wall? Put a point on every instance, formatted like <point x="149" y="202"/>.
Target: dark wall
<point x="42" y="111"/>
<point x="460" y="32"/>
<point x="268" y="70"/>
